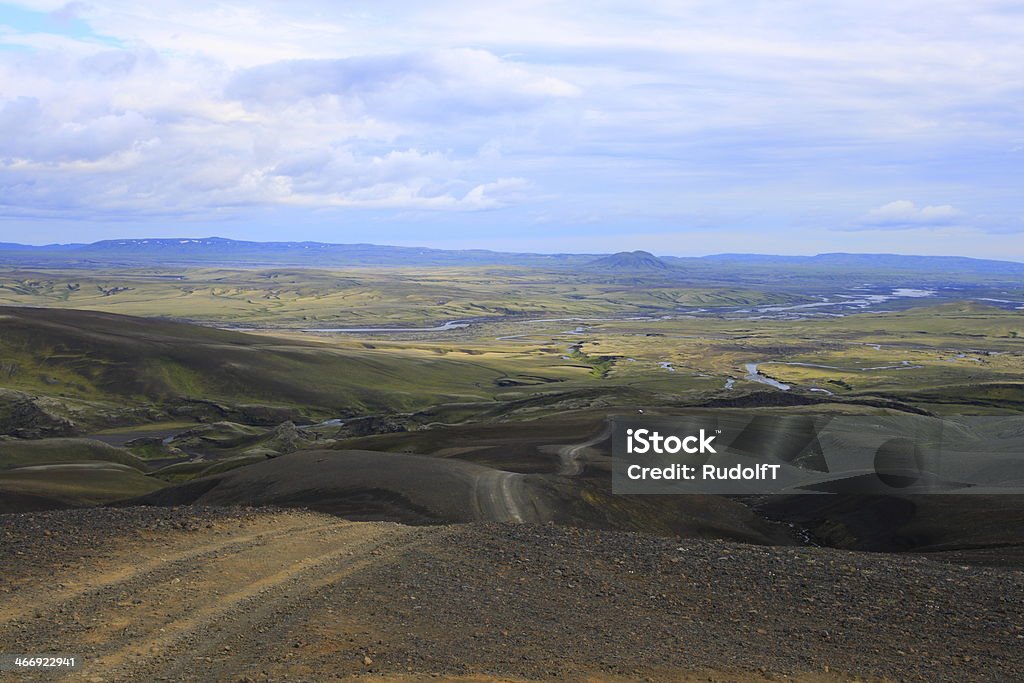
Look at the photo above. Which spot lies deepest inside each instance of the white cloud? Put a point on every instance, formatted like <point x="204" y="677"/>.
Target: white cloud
<point x="904" y="214"/>
<point x="445" y="85"/>
<point x="496" y="194"/>
<point x="624" y="113"/>
<point x="120" y="132"/>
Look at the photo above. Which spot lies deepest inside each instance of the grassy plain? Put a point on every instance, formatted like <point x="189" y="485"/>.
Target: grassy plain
<point x="296" y="298"/>
<point x="547" y="356"/>
<point x="946" y="352"/>
<point x="635" y="344"/>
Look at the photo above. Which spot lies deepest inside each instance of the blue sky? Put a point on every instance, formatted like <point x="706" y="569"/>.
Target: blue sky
<point x="681" y="127"/>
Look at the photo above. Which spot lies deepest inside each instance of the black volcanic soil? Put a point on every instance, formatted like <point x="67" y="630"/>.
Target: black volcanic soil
<point x="416" y="489"/>
<point x="198" y="594"/>
<point x="979" y="529"/>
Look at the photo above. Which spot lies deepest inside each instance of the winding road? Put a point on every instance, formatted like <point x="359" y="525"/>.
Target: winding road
<point x="572" y="462"/>
<point x="508" y="496"/>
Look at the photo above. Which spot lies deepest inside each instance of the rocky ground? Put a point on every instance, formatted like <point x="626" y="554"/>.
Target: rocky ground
<point x="236" y="594"/>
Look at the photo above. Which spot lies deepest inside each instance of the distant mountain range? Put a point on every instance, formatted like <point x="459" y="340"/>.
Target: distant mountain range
<point x="217" y="251"/>
<point x="220" y="251"/>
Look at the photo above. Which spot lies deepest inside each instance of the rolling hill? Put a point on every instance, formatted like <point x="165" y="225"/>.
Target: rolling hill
<point x="67" y="370"/>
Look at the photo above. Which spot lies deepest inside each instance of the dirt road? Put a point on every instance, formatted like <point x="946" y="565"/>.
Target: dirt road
<point x="505" y="496"/>
<point x="229" y="594"/>
<point x="571" y="455"/>
<point x="179" y="605"/>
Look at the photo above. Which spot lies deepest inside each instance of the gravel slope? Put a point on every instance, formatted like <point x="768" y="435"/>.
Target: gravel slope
<point x="201" y="594"/>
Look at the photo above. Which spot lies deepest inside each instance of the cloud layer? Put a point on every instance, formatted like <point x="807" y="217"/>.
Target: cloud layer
<point x="121" y="133"/>
<point x="593" y="119"/>
<point x="904" y="214"/>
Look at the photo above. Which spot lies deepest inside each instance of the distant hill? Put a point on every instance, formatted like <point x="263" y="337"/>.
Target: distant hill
<point x="94" y="361"/>
<point x="218" y="251"/>
<point x="630" y="261"/>
<point x="221" y="252"/>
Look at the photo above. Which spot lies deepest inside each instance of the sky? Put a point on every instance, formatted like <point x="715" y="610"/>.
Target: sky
<point x="680" y="127"/>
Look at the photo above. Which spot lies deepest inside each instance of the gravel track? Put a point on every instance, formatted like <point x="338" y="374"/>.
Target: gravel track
<point x="202" y="594"/>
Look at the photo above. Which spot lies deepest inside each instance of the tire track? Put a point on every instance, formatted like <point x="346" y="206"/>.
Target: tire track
<point x="494" y="497"/>
<point x="193" y="614"/>
<point x="280" y="612"/>
<point x="172" y="646"/>
<point x="87" y="585"/>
